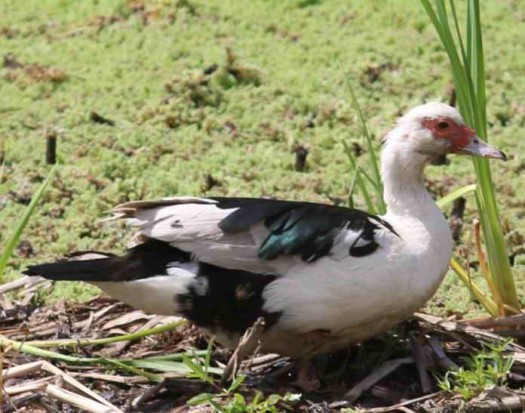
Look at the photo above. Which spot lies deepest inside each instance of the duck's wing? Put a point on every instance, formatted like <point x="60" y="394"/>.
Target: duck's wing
<point x="255" y="234"/>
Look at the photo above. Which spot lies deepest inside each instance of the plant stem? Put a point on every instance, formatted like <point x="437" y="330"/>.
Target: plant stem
<point x="103" y="341"/>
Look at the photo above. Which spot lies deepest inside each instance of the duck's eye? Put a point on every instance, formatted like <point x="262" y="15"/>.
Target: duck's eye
<point x="443" y="125"/>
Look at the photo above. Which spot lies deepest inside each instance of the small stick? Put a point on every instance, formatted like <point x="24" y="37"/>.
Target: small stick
<point x="512" y="321"/>
<point x="485" y="269"/>
<point x="247" y="345"/>
<point x="51" y="149"/>
<point x="505" y="404"/>
<point x="19" y="283"/>
<point x="34" y="386"/>
<point x="395" y="407"/>
<point x="456" y="217"/>
<point x="421" y="364"/>
<point x="22" y="370"/>
<point x="301" y="153"/>
<point x="148" y="394"/>
<point x="452" y="99"/>
<point x="441" y="358"/>
<point x="384" y="370"/>
<point x="19" y="401"/>
<point x="50" y="368"/>
<point x="97" y="118"/>
<point x="79" y="401"/>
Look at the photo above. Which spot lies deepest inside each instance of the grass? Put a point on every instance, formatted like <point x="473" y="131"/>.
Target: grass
<point x="178" y="362"/>
<point x="468" y="71"/>
<point x="229" y="400"/>
<point x="21" y="223"/>
<point x="130" y="66"/>
<point x="482" y="371"/>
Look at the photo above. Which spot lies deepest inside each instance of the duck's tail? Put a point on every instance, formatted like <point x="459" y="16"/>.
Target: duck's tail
<point x="145" y="260"/>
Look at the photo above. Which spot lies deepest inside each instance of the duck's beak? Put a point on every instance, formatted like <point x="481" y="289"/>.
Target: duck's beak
<point x="476" y="147"/>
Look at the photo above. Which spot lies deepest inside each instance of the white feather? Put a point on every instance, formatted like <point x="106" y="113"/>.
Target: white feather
<point x="195" y="228"/>
<point x="156" y="295"/>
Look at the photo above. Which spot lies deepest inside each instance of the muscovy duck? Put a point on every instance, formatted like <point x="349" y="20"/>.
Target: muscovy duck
<point x="322" y="276"/>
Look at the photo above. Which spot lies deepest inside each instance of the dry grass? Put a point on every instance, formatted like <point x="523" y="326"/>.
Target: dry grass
<point x="77" y="357"/>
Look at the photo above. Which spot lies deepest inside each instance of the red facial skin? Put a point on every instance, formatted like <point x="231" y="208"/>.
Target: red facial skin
<point x="446" y="128"/>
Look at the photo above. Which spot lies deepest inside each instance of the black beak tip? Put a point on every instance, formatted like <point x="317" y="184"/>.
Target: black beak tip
<point x="503" y="156"/>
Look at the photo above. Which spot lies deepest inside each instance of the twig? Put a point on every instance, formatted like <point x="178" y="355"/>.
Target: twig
<point x="384" y="370"/>
<point x="33" y="386"/>
<point x="452" y="96"/>
<point x="485" y="269"/>
<point x="75" y="383"/>
<point x="128" y="380"/>
<point x="147" y="395"/>
<point x="512" y="321"/>
<point x="505" y="404"/>
<point x="97" y="118"/>
<point x="19" y="283"/>
<point x="247" y="346"/>
<point x="2" y="377"/>
<point x="19" y="401"/>
<point x="120" y="347"/>
<point x="301" y="153"/>
<point x="395" y="407"/>
<point x="442" y="359"/>
<point x="421" y="364"/>
<point x="103" y="341"/>
<point x="79" y="401"/>
<point x="456" y="217"/>
<point x="40" y="352"/>
<point x="51" y="149"/>
<point x="22" y="370"/>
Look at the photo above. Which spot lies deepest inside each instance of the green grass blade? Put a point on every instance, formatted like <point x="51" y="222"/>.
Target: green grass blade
<point x="22" y="222"/>
<point x="474" y="288"/>
<point x="167" y="366"/>
<point x="371" y="149"/>
<point x="458" y="34"/>
<point x="449" y="198"/>
<point x="108" y="340"/>
<point x="360" y="183"/>
<point x="352" y="188"/>
<point x="477" y="64"/>
<point x="370" y="205"/>
<point x="442" y="26"/>
<point x="178" y="356"/>
<point x="119" y="365"/>
<point x="207" y="357"/>
<point x="372" y="154"/>
<point x="371" y="181"/>
<point x="469" y="81"/>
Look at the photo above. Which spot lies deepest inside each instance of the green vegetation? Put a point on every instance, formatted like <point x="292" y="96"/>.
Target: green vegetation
<point x="21" y="223"/>
<point x="178" y="362"/>
<point x="229" y="400"/>
<point x="468" y="70"/>
<point x="156" y="98"/>
<point x="482" y="371"/>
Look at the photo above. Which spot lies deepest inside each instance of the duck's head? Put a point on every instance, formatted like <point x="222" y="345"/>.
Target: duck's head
<point x="435" y="129"/>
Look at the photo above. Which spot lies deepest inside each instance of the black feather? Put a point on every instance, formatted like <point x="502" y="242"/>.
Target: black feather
<point x="145" y="260"/>
<point x="304" y="228"/>
<point x="233" y="300"/>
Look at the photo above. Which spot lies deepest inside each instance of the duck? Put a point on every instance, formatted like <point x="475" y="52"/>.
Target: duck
<point x="321" y="276"/>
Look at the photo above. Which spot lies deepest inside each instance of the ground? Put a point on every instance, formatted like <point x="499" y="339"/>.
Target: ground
<point x="155" y="98"/>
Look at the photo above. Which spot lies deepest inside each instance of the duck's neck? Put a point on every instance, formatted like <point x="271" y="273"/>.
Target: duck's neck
<point x="404" y="186"/>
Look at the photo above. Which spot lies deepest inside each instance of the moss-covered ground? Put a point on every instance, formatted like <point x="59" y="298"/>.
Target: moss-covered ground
<point x="151" y="98"/>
